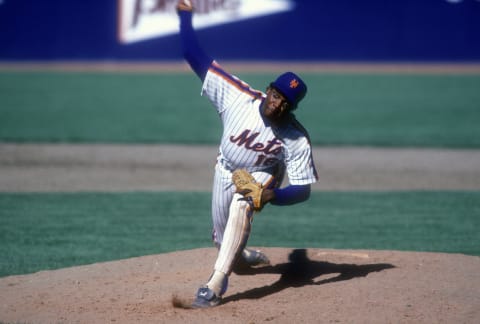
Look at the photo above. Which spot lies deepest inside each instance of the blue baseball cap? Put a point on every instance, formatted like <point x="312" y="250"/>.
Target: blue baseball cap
<point x="291" y="87"/>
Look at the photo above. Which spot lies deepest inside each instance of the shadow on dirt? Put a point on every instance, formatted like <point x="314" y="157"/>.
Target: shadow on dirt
<point x="301" y="271"/>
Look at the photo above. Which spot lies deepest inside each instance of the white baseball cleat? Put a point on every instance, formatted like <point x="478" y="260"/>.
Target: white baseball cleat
<point x="205" y="298"/>
<point x="255" y="257"/>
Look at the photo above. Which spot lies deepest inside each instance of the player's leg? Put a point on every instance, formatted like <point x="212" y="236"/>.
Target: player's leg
<point x="236" y="234"/>
<point x="235" y="238"/>
<point x="231" y="238"/>
<point x="223" y="191"/>
<point x="222" y="194"/>
<point x="230" y="232"/>
<point x="231" y="227"/>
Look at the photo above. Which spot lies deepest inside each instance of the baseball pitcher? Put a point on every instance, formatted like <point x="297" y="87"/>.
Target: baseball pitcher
<point x="261" y="142"/>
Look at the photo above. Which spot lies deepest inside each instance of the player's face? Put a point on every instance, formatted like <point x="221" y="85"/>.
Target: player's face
<point x="274" y="105"/>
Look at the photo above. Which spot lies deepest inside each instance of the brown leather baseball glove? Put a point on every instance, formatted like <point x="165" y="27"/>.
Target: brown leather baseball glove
<point x="248" y="187"/>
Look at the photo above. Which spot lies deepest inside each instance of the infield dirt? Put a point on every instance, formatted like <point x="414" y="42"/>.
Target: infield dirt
<point x="101" y="167"/>
<point x="316" y="286"/>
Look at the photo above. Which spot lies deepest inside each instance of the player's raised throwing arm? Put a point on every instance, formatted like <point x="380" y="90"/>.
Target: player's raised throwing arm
<point x="192" y="51"/>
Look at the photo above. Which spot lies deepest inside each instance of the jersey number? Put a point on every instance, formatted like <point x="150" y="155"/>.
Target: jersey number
<point x="263" y="160"/>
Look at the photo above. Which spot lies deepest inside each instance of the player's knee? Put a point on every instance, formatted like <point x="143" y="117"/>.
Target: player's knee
<point x="240" y="208"/>
<point x="239" y="203"/>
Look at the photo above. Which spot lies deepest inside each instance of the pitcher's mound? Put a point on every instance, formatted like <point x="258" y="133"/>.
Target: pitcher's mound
<point x="300" y="286"/>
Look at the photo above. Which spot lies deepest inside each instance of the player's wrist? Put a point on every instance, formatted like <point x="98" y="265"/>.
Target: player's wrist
<point x="268" y="195"/>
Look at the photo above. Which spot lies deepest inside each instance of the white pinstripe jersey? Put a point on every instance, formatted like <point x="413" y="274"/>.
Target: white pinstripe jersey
<point x="250" y="142"/>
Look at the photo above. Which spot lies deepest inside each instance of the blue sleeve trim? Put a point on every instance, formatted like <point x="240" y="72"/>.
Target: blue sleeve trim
<point x="290" y="195"/>
<point x="195" y="56"/>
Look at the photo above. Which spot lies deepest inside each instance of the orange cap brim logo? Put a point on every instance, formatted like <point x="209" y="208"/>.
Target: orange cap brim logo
<point x="293" y="83"/>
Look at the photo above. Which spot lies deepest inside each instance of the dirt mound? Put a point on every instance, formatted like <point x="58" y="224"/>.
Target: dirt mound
<point x="300" y="286"/>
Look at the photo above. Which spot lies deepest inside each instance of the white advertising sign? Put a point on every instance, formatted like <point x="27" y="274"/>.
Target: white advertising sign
<point x="145" y="19"/>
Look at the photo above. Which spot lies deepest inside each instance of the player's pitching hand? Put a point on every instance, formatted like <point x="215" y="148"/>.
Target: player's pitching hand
<point x="184" y="5"/>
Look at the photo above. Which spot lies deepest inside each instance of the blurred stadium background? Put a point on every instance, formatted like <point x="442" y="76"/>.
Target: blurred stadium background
<point x="312" y="30"/>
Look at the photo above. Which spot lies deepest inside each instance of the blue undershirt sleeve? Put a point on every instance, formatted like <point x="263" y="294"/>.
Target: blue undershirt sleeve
<point x="198" y="60"/>
<point x="291" y="195"/>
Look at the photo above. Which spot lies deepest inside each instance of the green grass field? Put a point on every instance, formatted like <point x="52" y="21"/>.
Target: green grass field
<point x="340" y="109"/>
<point x="50" y="230"/>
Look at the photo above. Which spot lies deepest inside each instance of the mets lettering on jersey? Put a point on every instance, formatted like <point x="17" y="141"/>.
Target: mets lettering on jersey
<point x="246" y="138"/>
<point x="272" y="147"/>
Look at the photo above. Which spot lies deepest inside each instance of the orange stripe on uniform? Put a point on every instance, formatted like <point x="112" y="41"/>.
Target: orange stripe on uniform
<point x="237" y="83"/>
